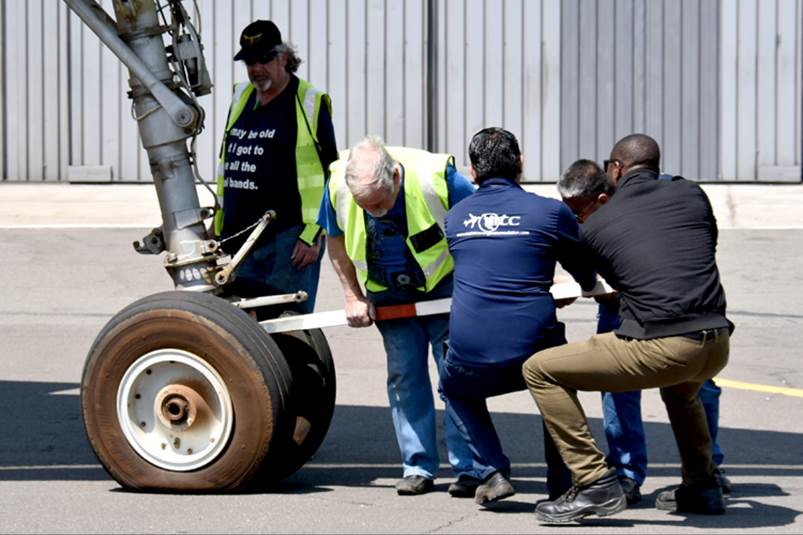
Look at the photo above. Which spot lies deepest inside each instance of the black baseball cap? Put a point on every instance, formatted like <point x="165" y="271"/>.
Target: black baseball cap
<point x="258" y="40"/>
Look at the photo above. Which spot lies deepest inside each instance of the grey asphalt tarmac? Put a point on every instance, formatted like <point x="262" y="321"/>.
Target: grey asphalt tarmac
<point x="64" y="283"/>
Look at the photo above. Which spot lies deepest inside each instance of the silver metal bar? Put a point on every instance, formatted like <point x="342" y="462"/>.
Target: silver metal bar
<point x="267" y="300"/>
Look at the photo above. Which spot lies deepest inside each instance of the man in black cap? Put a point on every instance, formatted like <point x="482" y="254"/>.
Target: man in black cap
<point x="275" y="153"/>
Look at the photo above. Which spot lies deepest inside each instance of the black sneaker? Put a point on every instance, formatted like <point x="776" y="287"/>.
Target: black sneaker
<point x="724" y="482"/>
<point x="603" y="497"/>
<point x="464" y="487"/>
<point x="699" y="499"/>
<point x="631" y="488"/>
<point x="495" y="487"/>
<point x="414" y="485"/>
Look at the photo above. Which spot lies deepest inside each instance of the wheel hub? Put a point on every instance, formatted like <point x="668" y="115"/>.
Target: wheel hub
<point x="175" y="410"/>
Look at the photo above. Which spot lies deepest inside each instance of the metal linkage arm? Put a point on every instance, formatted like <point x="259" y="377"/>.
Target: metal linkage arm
<point x="103" y="26"/>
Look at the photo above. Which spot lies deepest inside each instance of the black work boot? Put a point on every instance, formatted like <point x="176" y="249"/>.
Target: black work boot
<point x="603" y="497"/>
<point x="724" y="483"/>
<point x="703" y="499"/>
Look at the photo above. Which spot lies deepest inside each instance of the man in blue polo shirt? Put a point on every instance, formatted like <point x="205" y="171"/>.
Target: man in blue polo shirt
<point x="505" y="243"/>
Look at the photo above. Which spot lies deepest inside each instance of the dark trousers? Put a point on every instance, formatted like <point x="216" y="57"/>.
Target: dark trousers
<point x="677" y="365"/>
<point x="465" y="389"/>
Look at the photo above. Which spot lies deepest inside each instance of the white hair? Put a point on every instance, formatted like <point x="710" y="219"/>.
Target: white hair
<point x="369" y="167"/>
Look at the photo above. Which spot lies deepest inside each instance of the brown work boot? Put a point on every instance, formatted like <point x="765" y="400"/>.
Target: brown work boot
<point x="495" y="487"/>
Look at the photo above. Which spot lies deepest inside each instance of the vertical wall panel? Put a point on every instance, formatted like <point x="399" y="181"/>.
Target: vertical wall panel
<point x="299" y="33"/>
<point x="376" y="67"/>
<point x="638" y="58"/>
<point x="475" y="38"/>
<point x="621" y="121"/>
<point x="3" y="125"/>
<point x="549" y="128"/>
<point x="17" y="101"/>
<point x="728" y="108"/>
<point x="690" y="94"/>
<point x="112" y="99"/>
<point x="442" y="81"/>
<point x="207" y="144"/>
<point x="673" y="128"/>
<point x="394" y="73"/>
<point x="532" y="91"/>
<point x="415" y="94"/>
<point x="318" y="42"/>
<point x="709" y="86"/>
<point x="766" y="116"/>
<point x="35" y="88"/>
<point x="654" y="82"/>
<point x="511" y="82"/>
<point x="337" y="81"/>
<point x="570" y="83"/>
<point x="588" y="80"/>
<point x="787" y="148"/>
<point x="746" y="96"/>
<point x="354" y="107"/>
<point x="90" y="97"/>
<point x="49" y="142"/>
<point x="276" y="10"/>
<point x="453" y="37"/>
<point x="603" y="70"/>
<point x="494" y="75"/>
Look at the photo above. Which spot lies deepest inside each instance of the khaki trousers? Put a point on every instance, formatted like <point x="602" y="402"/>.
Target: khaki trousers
<point x="677" y="365"/>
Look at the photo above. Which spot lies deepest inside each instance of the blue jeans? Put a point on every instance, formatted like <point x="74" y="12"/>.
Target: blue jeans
<point x="621" y="416"/>
<point x="465" y="389"/>
<point x="412" y="403"/>
<point x="267" y="270"/>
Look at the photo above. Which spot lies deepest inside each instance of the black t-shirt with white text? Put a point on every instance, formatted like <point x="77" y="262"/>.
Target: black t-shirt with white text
<point x="260" y="165"/>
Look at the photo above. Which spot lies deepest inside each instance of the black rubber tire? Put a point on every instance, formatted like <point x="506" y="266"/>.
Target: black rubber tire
<point x="312" y="400"/>
<point x="251" y="365"/>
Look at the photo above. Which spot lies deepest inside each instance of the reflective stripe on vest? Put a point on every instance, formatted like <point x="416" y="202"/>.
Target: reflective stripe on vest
<point x="309" y="170"/>
<point x="426" y="200"/>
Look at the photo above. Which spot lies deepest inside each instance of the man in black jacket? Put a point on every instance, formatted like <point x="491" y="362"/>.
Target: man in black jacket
<point x="655" y="242"/>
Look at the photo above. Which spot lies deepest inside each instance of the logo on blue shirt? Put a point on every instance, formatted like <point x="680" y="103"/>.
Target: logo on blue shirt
<point x="490" y="222"/>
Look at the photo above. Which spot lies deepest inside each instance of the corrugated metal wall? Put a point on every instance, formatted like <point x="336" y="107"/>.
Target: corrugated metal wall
<point x="717" y="82"/>
<point x="761" y="89"/>
<point x="499" y="65"/>
<point x="634" y="66"/>
<point x="35" y="89"/>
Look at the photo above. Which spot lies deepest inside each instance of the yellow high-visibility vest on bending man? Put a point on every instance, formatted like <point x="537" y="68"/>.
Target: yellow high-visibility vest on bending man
<point x="426" y="200"/>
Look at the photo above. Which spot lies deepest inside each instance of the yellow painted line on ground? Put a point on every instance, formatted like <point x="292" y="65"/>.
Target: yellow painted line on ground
<point x="786" y="391"/>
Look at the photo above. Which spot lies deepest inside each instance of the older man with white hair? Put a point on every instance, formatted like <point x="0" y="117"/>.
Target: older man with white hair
<point x="383" y="213"/>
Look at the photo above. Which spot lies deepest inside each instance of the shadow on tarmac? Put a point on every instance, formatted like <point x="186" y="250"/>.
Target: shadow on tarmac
<point x="44" y="440"/>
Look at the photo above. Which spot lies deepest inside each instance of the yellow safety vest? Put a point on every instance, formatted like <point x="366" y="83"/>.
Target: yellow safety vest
<point x="426" y="200"/>
<point x="309" y="170"/>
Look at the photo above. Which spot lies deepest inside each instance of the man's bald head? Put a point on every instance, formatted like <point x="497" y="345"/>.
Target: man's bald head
<point x="637" y="151"/>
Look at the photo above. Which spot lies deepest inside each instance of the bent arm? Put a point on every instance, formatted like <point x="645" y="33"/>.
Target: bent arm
<point x="359" y="311"/>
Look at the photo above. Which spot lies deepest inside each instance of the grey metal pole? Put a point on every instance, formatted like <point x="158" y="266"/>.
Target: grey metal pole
<point x="432" y="75"/>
